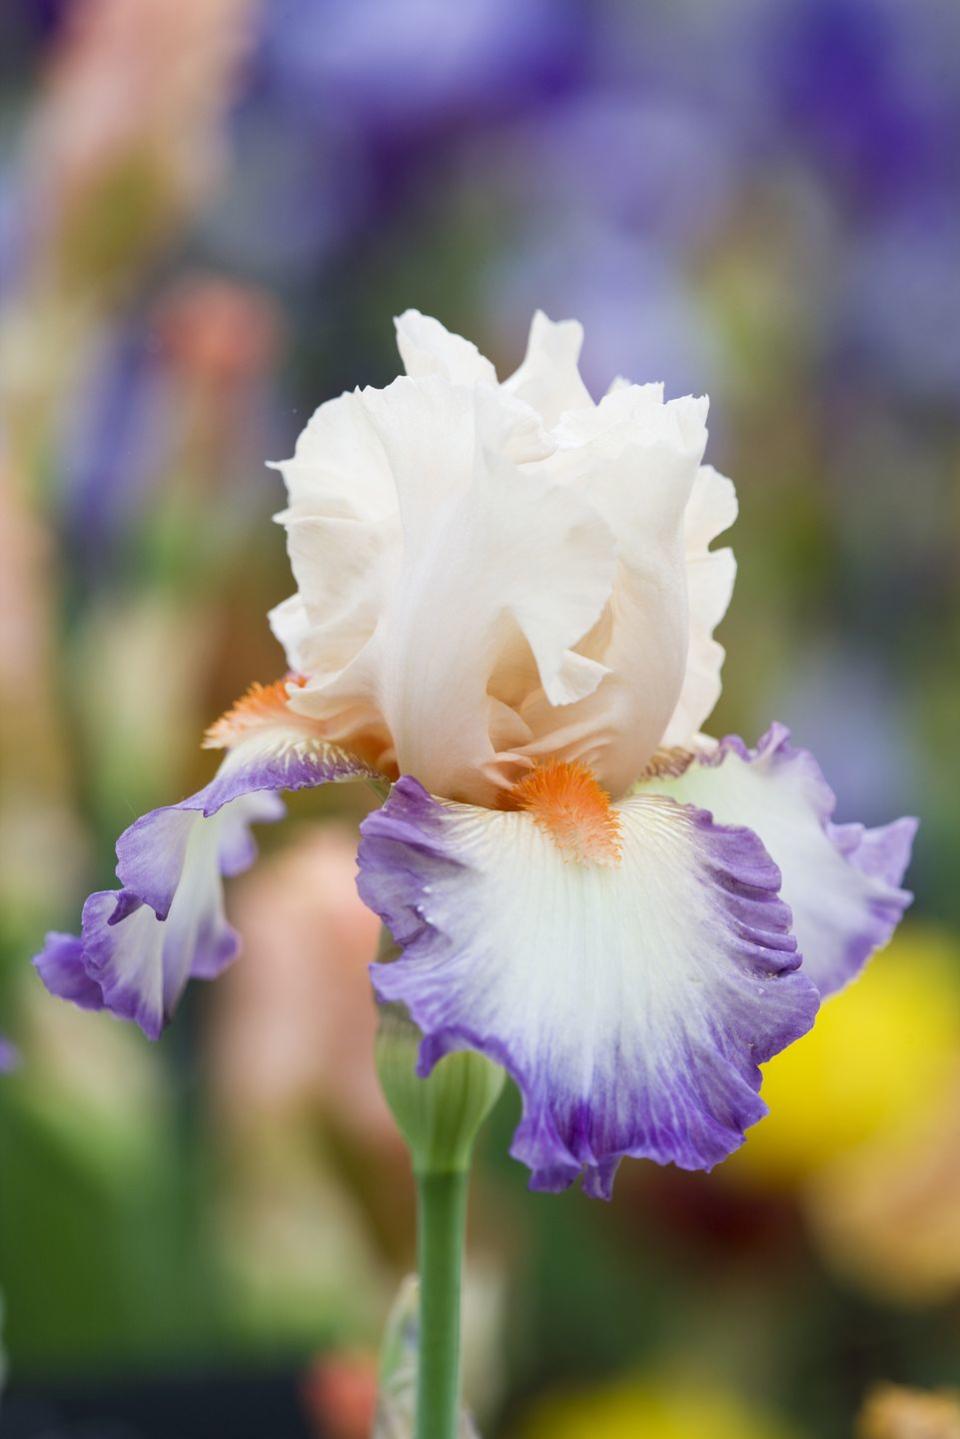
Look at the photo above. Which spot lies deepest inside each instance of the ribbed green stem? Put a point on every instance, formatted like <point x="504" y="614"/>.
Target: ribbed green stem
<point x="441" y="1222"/>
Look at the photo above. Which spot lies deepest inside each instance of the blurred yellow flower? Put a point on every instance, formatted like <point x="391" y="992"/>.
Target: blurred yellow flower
<point x="877" y="1058"/>
<point x="656" y="1409"/>
<point x="889" y="1215"/>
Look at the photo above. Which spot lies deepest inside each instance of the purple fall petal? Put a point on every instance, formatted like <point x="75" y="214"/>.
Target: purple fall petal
<point x="140" y="944"/>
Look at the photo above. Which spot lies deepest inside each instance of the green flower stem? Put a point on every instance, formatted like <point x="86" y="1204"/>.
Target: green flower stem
<point x="439" y="1116"/>
<point x="441" y="1223"/>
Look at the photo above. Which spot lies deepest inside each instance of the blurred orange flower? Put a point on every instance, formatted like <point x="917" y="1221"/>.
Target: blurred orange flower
<point x="341" y="1395"/>
<point x="895" y="1413"/>
<point x="295" y="1021"/>
<point x="219" y="332"/>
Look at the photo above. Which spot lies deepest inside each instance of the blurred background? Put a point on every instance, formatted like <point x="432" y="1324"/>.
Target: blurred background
<point x="209" y="213"/>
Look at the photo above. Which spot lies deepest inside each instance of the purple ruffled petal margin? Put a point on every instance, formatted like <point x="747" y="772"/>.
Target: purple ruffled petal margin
<point x="682" y="1090"/>
<point x="150" y="852"/>
<point x="62" y="968"/>
<point x="836" y="940"/>
<point x="139" y="945"/>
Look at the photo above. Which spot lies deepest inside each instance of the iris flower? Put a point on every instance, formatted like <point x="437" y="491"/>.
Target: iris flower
<point x="504" y="617"/>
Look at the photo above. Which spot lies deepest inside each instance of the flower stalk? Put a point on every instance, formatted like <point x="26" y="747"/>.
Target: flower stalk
<point x="441" y="1224"/>
<point x="439" y="1115"/>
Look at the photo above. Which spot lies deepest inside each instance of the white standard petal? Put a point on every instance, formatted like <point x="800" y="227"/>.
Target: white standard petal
<point x="343" y="536"/>
<point x="427" y="431"/>
<point x="489" y="577"/>
<point x="842" y="882"/>
<point x="516" y="555"/>
<point x="502" y="574"/>
<point x="549" y="377"/>
<point x="290" y="624"/>
<point x="428" y="348"/>
<point x="712" y="508"/>
<point x="343" y="568"/>
<point x="338" y="467"/>
<point x="630" y="993"/>
<point x="430" y="432"/>
<point x="635" y="460"/>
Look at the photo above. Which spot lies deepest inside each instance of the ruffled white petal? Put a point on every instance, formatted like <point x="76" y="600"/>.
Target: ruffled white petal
<point x="343" y="568"/>
<point x="710" y="576"/>
<point x="428" y="348"/>
<point x="635" y="460"/>
<point x="457" y="614"/>
<point x="549" y="377"/>
<point x="339" y="467"/>
<point x="290" y="624"/>
<point x="515" y="566"/>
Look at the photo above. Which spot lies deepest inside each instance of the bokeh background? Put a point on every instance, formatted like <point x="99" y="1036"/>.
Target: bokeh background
<point x="209" y="213"/>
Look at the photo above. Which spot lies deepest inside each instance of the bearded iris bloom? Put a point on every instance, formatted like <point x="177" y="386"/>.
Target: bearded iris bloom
<point x="504" y="612"/>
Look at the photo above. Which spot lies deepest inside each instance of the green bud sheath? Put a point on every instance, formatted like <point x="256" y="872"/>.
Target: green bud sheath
<point x="438" y="1116"/>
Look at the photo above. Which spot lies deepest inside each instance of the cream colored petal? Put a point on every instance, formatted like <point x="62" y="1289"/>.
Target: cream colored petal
<point x="343" y="569"/>
<point x="515" y="561"/>
<point x="637" y="472"/>
<point x="291" y="627"/>
<point x="404" y="618"/>
<point x="549" y="378"/>
<point x="339" y="467"/>
<point x="489" y="576"/>
<point x="427" y="432"/>
<point x="516" y="547"/>
<point x="428" y="348"/>
<point x="712" y="508"/>
<point x="710" y="578"/>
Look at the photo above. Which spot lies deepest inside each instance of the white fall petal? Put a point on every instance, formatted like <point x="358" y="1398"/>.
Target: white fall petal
<point x="630" y="1000"/>
<point x="842" y="882"/>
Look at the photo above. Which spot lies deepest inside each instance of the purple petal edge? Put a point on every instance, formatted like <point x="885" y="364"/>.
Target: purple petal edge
<point x="121" y="962"/>
<point x="60" y="965"/>
<point x="882" y="853"/>
<point x="402" y="851"/>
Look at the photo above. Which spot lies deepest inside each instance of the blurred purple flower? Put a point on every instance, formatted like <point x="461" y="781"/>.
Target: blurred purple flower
<point x="869" y="88"/>
<point x="865" y="742"/>
<point x="292" y="193"/>
<point x="342" y="103"/>
<point x="25" y="32"/>
<point x="701" y="56"/>
<point x="903" y="302"/>
<point x="663" y="167"/>
<point x="113" y="442"/>
<point x="417" y="63"/>
<point x="641" y="319"/>
<point x="187" y="377"/>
